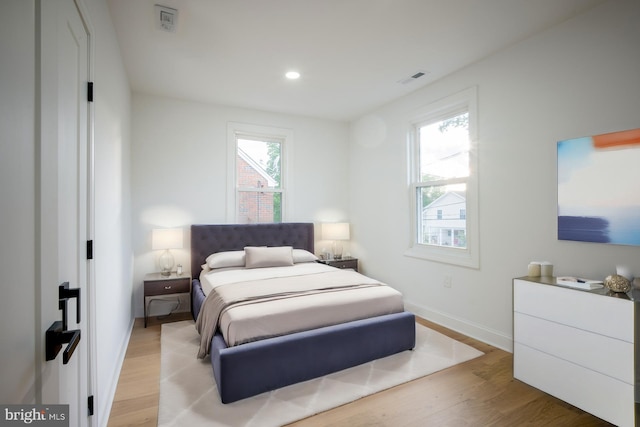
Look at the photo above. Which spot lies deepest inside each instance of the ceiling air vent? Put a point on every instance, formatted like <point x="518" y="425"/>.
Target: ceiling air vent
<point x="413" y="77"/>
<point x="166" y="18"/>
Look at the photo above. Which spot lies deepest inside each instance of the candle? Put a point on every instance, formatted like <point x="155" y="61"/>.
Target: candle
<point x="534" y="269"/>
<point x="546" y="269"/>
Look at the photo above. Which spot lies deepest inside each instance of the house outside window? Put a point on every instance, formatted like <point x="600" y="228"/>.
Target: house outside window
<point x="257" y="173"/>
<point x="444" y="181"/>
<point x="446" y="228"/>
<point x="258" y="181"/>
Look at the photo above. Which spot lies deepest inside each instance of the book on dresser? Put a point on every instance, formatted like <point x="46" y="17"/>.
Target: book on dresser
<point x="579" y="282"/>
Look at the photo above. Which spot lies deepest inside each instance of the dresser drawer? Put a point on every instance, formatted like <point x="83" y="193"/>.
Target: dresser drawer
<point x="599" y="394"/>
<point x="608" y="356"/>
<point x="603" y="315"/>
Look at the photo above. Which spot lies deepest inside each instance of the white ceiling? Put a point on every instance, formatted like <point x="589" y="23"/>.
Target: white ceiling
<point x="351" y="53"/>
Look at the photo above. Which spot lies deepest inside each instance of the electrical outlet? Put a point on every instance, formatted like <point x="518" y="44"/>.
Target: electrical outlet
<point x="447" y="281"/>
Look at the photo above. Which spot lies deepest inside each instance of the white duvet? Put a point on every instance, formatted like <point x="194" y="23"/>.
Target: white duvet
<point x="245" y="322"/>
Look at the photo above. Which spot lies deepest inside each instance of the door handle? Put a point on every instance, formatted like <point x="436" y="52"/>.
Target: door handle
<point x="64" y="293"/>
<point x="57" y="334"/>
<point x="55" y="337"/>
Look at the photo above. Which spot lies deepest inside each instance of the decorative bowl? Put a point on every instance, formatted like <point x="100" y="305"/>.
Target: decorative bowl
<point x="617" y="283"/>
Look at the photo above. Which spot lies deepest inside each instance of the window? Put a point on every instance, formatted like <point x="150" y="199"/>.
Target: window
<point x="257" y="171"/>
<point x="443" y="181"/>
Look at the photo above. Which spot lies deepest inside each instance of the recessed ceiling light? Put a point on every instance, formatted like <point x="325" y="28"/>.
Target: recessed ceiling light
<point x="292" y="75"/>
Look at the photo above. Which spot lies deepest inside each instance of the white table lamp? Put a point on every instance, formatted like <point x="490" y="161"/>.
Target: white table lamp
<point x="336" y="231"/>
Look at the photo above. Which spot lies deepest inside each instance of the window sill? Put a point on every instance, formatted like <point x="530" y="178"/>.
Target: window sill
<point x="460" y="257"/>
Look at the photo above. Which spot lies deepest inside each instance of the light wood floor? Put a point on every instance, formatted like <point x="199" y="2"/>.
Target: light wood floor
<point x="481" y="392"/>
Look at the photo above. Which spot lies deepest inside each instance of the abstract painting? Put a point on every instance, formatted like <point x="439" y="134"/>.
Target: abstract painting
<point x="599" y="188"/>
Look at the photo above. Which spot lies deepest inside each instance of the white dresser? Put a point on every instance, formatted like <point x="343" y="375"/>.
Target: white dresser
<point x="576" y="345"/>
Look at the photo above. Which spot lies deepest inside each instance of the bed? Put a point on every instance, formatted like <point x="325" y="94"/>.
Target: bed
<point x="269" y="363"/>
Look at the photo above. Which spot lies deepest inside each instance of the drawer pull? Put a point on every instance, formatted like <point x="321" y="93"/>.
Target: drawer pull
<point x="167" y="287"/>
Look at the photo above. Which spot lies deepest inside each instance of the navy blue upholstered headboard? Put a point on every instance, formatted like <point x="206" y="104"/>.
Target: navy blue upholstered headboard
<point x="209" y="239"/>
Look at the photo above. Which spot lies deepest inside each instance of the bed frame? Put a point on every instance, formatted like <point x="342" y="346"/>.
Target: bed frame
<point x="257" y="367"/>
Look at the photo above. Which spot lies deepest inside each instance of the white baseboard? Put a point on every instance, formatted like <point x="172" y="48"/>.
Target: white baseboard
<point x="106" y="401"/>
<point x="473" y="330"/>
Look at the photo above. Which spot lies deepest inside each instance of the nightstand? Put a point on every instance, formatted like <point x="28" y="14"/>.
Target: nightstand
<point x="350" y="263"/>
<point x="156" y="284"/>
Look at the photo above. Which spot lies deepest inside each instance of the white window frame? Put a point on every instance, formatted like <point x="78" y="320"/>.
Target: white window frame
<point x="465" y="100"/>
<point x="237" y="130"/>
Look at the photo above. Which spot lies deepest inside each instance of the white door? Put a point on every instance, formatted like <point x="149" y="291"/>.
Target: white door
<point x="64" y="197"/>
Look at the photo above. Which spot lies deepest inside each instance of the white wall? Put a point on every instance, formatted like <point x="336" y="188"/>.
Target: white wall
<point x="112" y="237"/>
<point x="179" y="170"/>
<point x="17" y="192"/>
<point x="579" y="78"/>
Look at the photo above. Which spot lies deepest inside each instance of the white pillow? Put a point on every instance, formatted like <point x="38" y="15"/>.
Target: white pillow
<point x="226" y="259"/>
<point x="300" y="255"/>
<point x="277" y="256"/>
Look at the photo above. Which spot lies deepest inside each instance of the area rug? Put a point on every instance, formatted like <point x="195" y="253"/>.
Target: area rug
<point x="189" y="397"/>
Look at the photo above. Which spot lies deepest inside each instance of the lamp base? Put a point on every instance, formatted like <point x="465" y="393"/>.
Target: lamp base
<point x="166" y="263"/>
<point x="337" y="250"/>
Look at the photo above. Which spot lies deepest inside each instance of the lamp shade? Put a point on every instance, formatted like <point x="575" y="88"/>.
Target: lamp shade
<point x="335" y="231"/>
<point x="166" y="238"/>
